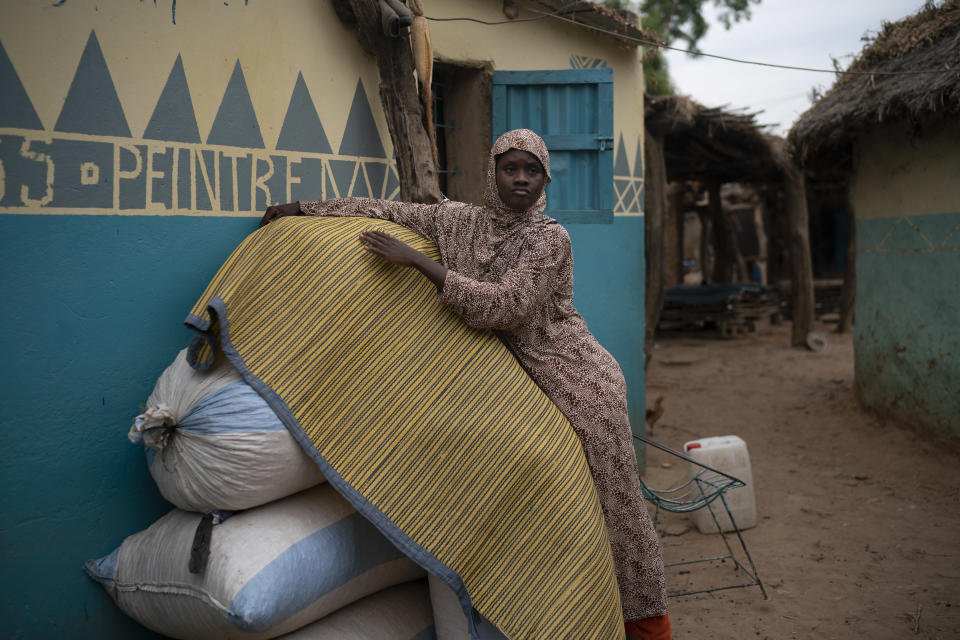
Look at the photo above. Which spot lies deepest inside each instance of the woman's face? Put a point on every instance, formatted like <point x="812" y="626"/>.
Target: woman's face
<point x="520" y="179"/>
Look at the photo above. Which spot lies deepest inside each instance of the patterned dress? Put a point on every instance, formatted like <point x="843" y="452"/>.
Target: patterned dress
<point x="512" y="271"/>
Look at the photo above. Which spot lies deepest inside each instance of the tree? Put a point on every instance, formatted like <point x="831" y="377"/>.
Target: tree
<point x="682" y="22"/>
<point x="678" y="22"/>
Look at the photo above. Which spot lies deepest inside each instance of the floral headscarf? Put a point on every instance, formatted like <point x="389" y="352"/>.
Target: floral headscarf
<point x="524" y="140"/>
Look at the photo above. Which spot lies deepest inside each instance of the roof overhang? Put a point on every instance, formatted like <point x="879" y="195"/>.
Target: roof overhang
<point x="619" y="24"/>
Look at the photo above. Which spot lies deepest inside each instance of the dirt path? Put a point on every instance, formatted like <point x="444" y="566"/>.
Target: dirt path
<point x="858" y="518"/>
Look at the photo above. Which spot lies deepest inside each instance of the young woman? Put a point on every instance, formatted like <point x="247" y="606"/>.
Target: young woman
<point x="508" y="268"/>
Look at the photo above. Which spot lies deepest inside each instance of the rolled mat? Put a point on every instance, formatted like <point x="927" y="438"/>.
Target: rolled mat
<point x="427" y="427"/>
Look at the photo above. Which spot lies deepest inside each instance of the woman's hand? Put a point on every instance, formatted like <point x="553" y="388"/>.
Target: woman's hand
<point x="389" y="248"/>
<point x="399" y="252"/>
<point x="279" y="211"/>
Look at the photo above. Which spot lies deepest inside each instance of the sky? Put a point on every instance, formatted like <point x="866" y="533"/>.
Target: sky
<point x="802" y="33"/>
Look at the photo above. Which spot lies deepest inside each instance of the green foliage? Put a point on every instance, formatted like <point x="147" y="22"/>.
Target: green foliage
<point x="679" y="22"/>
<point x="657" y="75"/>
<point x="682" y="21"/>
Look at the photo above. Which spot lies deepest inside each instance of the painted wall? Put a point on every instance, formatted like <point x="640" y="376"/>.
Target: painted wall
<point x="138" y="145"/>
<point x="906" y="197"/>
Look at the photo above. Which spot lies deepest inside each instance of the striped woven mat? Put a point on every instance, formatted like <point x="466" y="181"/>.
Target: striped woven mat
<point x="429" y="428"/>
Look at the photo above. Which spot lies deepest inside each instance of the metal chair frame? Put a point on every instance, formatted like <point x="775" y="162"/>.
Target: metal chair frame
<point x="705" y="487"/>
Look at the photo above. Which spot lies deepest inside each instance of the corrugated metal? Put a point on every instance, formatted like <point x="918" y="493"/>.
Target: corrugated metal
<point x="572" y="109"/>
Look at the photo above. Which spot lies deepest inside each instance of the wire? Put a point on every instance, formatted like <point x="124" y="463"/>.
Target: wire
<point x="543" y="16"/>
<point x="555" y="15"/>
<point x="489" y="23"/>
<point x="754" y="62"/>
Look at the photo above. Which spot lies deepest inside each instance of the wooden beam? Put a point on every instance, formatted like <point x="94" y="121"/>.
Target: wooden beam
<point x="729" y="265"/>
<point x="674" y="223"/>
<point x="655" y="238"/>
<point x="708" y="256"/>
<point x="848" y="292"/>
<point x="400" y="100"/>
<point x="801" y="263"/>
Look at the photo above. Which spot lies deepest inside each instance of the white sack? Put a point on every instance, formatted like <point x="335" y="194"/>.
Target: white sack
<point x="213" y="443"/>
<point x="271" y="570"/>
<point x="449" y="620"/>
<point x="398" y="613"/>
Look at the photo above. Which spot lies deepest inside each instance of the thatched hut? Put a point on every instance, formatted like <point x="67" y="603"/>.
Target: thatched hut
<point x="886" y="146"/>
<point x="709" y="148"/>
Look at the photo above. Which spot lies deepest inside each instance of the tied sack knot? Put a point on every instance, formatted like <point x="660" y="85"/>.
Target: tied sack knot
<point x="153" y="427"/>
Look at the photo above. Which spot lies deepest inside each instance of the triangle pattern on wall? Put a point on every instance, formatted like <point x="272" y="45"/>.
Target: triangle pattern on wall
<point x="953" y="238"/>
<point x="16" y="110"/>
<point x="174" y="118"/>
<point x="328" y="184"/>
<point x="620" y="194"/>
<point x="586" y="62"/>
<point x="376" y="174"/>
<point x="942" y="230"/>
<point x="360" y="136"/>
<point x="904" y="235"/>
<point x="360" y="184"/>
<point x="638" y="162"/>
<point x="92" y="105"/>
<point x="342" y="172"/>
<point x="302" y="129"/>
<point x="392" y="192"/>
<point x="621" y="167"/>
<point x="236" y="123"/>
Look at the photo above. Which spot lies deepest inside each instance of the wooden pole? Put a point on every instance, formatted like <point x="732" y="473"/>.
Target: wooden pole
<point x="655" y="238"/>
<point x="721" y="263"/>
<point x="670" y="240"/>
<point x="773" y="217"/>
<point x="848" y="292"/>
<point x="400" y="100"/>
<point x="708" y="256"/>
<point x="729" y="265"/>
<point x="795" y="197"/>
<point x="673" y="222"/>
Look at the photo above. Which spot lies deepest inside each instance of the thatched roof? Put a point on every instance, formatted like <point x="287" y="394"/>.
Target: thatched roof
<point x="711" y="143"/>
<point x="618" y="22"/>
<point x="927" y="41"/>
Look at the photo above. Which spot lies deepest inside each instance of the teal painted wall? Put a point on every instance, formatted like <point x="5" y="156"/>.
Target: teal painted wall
<point x="597" y="196"/>
<point x="92" y="309"/>
<point x="907" y="318"/>
<point x="139" y="121"/>
<point x="609" y="292"/>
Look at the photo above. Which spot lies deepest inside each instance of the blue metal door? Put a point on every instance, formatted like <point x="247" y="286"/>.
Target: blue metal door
<point x="572" y="109"/>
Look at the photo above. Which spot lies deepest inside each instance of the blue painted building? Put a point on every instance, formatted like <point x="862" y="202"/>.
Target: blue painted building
<point x="142" y="144"/>
<point x="898" y="136"/>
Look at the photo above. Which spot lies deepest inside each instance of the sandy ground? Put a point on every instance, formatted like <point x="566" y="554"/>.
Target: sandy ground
<point x="858" y="516"/>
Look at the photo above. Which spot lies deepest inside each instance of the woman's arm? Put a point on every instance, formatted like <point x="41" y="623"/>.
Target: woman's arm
<point x="506" y="303"/>
<point x="416" y="216"/>
<point x="399" y="252"/>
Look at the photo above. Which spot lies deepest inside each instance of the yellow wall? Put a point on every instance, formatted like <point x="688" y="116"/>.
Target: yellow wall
<point x="49" y="170"/>
<point x="900" y="172"/>
<point x="906" y="196"/>
<point x="272" y="41"/>
<point x="140" y="43"/>
<point x="102" y="263"/>
<point x="540" y="45"/>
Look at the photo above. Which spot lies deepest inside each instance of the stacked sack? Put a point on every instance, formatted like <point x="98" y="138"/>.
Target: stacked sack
<point x="259" y="545"/>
